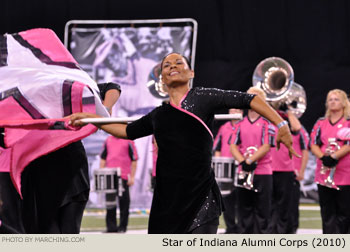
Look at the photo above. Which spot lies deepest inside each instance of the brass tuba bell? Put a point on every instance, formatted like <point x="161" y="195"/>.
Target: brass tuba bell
<point x="275" y="77"/>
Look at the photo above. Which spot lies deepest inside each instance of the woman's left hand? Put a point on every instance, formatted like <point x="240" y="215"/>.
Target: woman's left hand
<point x="284" y="136"/>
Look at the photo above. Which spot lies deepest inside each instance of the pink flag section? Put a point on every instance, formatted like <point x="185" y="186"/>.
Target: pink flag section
<point x="344" y="134"/>
<point x="36" y="124"/>
<point x="27" y="139"/>
<point x="49" y="46"/>
<point x="40" y="85"/>
<point x="5" y="155"/>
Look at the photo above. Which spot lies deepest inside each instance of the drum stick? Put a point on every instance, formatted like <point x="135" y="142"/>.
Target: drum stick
<point x="131" y="119"/>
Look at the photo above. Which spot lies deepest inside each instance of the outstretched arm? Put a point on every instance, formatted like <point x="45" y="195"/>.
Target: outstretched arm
<point x="115" y="129"/>
<point x="284" y="135"/>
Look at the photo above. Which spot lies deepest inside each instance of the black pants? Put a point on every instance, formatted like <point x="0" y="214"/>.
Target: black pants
<point x="293" y="220"/>
<point x="53" y="199"/>
<point x="254" y="208"/>
<point x="281" y="201"/>
<point x="335" y="209"/>
<point x="11" y="206"/>
<point x="124" y="205"/>
<point x="67" y="219"/>
<point x="5" y="229"/>
<point x="10" y="202"/>
<point x="230" y="213"/>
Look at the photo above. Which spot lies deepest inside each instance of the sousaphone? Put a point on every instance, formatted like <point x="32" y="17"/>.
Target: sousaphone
<point x="275" y="77"/>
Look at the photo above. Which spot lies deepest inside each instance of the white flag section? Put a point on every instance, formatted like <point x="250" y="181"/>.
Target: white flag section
<point x="39" y="82"/>
<point x="130" y="56"/>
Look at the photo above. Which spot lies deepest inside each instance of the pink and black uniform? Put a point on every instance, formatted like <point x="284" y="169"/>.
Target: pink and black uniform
<point x="223" y="139"/>
<point x="222" y="144"/>
<point x="254" y="207"/>
<point x="335" y="204"/>
<point x="300" y="143"/>
<point x="119" y="153"/>
<point x="283" y="180"/>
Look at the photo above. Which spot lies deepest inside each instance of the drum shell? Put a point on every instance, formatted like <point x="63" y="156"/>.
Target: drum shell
<point x="107" y="180"/>
<point x="224" y="169"/>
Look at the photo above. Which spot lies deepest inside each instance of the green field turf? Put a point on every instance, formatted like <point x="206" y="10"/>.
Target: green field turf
<point x="309" y="219"/>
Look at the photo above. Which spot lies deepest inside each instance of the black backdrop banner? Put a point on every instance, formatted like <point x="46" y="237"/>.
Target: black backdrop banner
<point x="233" y="36"/>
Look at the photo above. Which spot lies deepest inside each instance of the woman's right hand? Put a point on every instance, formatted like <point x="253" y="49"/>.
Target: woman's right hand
<point x="75" y="118"/>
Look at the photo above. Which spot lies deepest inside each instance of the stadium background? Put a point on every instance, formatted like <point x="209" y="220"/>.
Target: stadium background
<point x="233" y="36"/>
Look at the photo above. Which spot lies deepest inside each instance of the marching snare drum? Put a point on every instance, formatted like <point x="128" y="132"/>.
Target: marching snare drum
<point x="107" y="180"/>
<point x="224" y="169"/>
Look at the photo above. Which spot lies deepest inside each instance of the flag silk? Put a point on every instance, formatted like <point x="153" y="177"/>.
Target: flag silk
<point x="40" y="86"/>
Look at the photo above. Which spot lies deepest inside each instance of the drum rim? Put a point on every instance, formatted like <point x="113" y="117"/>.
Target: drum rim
<point x="107" y="170"/>
<point x="222" y="159"/>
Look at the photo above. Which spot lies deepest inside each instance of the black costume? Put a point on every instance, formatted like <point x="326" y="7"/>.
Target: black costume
<point x="186" y="195"/>
<point x="111" y="205"/>
<point x="56" y="186"/>
<point x="55" y="189"/>
<point x="10" y="202"/>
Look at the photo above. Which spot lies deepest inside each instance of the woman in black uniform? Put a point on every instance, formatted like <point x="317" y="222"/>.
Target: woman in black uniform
<point x="186" y="197"/>
<point x="56" y="186"/>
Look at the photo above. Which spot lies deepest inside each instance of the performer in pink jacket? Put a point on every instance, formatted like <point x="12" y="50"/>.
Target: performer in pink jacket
<point x="222" y="149"/>
<point x="283" y="180"/>
<point x="334" y="203"/>
<point x="123" y="154"/>
<point x="257" y="132"/>
<point x="301" y="146"/>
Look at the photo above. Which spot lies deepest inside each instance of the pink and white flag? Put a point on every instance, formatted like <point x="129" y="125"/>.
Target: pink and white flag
<point x="40" y="85"/>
